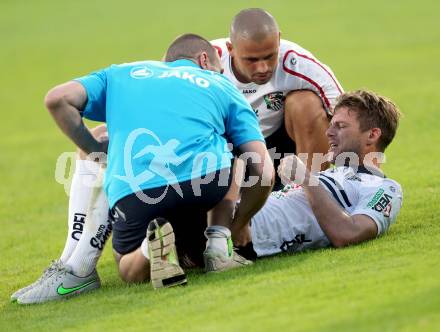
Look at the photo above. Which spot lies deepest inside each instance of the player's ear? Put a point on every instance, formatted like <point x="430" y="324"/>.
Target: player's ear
<point x="229" y="46"/>
<point x="203" y="60"/>
<point x="374" y="135"/>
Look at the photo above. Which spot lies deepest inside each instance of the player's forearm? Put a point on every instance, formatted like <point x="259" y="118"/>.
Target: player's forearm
<point x="255" y="191"/>
<point x="333" y="220"/>
<point x="252" y="200"/>
<point x="254" y="197"/>
<point x="68" y="119"/>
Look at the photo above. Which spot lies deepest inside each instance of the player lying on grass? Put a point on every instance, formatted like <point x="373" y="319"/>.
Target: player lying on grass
<point x="344" y="205"/>
<point x="351" y="204"/>
<point x="292" y="92"/>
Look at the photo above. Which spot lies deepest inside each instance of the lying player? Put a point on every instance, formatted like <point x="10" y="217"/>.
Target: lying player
<point x="345" y="205"/>
<point x="351" y="204"/>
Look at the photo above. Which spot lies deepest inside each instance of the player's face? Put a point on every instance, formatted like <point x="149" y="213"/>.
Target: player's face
<point x="345" y="135"/>
<point x="255" y="61"/>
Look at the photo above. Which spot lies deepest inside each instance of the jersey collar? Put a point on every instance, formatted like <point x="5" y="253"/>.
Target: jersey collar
<point x="182" y="63"/>
<point x="371" y="170"/>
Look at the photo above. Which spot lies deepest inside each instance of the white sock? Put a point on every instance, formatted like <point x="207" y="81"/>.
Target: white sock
<point x="144" y="249"/>
<point x="96" y="231"/>
<point x="85" y="175"/>
<point x="219" y="238"/>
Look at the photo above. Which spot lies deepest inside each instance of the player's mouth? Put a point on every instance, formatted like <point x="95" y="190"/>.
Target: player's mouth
<point x="262" y="77"/>
<point x="333" y="147"/>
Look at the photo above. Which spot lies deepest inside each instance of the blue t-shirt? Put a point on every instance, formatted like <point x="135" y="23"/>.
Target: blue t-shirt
<point x="167" y="122"/>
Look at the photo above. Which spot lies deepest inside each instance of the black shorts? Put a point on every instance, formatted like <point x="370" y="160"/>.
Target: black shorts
<point x="279" y="142"/>
<point x="187" y="214"/>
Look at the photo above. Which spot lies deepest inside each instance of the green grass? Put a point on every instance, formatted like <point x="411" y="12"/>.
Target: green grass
<point x="391" y="284"/>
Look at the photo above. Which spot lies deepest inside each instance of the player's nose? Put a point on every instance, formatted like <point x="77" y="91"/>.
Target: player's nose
<point x="329" y="132"/>
<point x="262" y="67"/>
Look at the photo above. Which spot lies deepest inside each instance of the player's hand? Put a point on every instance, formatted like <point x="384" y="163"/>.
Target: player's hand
<point x="292" y="169"/>
<point x="103" y="141"/>
<point x="99" y="154"/>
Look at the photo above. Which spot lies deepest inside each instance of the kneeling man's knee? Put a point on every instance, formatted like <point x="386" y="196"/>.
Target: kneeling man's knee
<point x="303" y="109"/>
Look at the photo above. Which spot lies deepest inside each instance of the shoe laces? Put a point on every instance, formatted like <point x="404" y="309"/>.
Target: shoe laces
<point x="58" y="273"/>
<point x="54" y="265"/>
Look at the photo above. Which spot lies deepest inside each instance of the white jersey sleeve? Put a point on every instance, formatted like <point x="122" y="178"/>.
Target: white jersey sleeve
<point x="302" y="71"/>
<point x="382" y="204"/>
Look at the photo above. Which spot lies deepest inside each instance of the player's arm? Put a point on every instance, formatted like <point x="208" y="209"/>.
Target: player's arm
<point x="65" y="102"/>
<point x="340" y="228"/>
<point x="254" y="191"/>
<point x="259" y="185"/>
<point x="243" y="130"/>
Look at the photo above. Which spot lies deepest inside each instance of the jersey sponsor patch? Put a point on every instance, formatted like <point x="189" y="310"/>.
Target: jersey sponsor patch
<point x="381" y="202"/>
<point x="285" y="191"/>
<point x="387" y="210"/>
<point x="375" y="198"/>
<point x="275" y="101"/>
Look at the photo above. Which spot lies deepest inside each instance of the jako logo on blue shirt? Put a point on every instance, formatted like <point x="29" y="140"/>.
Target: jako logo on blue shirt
<point x="201" y="82"/>
<point x="141" y="72"/>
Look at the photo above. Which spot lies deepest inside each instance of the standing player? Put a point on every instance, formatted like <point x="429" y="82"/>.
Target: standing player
<point x="292" y="93"/>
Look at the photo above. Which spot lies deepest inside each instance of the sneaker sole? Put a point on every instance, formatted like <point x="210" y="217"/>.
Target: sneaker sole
<point x="161" y="242"/>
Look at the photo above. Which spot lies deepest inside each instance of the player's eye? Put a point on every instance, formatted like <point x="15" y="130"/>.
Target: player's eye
<point x="270" y="56"/>
<point x="251" y="60"/>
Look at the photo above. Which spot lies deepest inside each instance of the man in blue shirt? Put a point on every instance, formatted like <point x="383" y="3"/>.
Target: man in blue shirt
<point x="168" y="127"/>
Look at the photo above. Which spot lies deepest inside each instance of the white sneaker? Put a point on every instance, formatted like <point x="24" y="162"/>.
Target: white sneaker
<point x="217" y="261"/>
<point x="54" y="265"/>
<point x="165" y="270"/>
<point x="59" y="285"/>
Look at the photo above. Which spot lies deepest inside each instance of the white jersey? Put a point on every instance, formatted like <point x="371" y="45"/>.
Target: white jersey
<point x="297" y="69"/>
<point x="286" y="222"/>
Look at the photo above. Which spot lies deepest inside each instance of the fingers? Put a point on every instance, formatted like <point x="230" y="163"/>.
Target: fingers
<point x="242" y="237"/>
<point x="292" y="169"/>
<point x="286" y="169"/>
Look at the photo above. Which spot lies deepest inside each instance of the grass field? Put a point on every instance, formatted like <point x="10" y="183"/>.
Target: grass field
<point x="391" y="284"/>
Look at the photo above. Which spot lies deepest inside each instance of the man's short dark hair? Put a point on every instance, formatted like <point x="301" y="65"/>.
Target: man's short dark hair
<point x="253" y="24"/>
<point x="372" y="111"/>
<point x="189" y="46"/>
